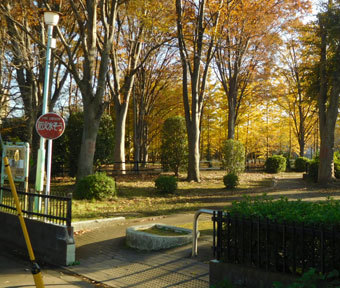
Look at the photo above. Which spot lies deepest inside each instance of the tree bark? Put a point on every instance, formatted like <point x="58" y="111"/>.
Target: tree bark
<point x="194" y="153"/>
<point x="328" y="107"/>
<point x="95" y="49"/>
<point x="88" y="144"/>
<point x="119" y="151"/>
<point x="232" y="110"/>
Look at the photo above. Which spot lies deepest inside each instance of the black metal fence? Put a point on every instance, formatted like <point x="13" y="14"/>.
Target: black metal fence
<point x="134" y="167"/>
<point x="277" y="247"/>
<point x="46" y="208"/>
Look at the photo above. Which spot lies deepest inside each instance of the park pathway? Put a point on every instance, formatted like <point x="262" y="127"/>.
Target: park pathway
<point x="103" y="257"/>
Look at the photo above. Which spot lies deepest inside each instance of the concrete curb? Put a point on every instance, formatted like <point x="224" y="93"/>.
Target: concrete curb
<point x="92" y="224"/>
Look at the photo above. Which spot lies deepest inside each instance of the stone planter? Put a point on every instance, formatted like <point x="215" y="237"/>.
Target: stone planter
<point x="136" y="237"/>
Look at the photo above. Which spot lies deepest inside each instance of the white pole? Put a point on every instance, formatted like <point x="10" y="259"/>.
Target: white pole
<point x="39" y="183"/>
<point x="48" y="172"/>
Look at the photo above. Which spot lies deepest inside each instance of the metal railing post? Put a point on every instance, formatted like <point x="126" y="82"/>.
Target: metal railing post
<point x="195" y="229"/>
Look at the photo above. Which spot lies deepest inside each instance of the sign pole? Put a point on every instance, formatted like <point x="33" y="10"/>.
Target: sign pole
<point x="48" y="172"/>
<point x="49" y="126"/>
<point x="39" y="183"/>
<point x="51" y="20"/>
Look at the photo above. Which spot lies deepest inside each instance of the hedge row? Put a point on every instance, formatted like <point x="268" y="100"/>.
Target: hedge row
<point x="327" y="212"/>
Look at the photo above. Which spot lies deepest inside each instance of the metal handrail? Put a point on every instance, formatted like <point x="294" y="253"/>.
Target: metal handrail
<point x="195" y="237"/>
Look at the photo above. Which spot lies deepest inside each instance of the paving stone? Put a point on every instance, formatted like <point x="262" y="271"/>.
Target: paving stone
<point x="104" y="257"/>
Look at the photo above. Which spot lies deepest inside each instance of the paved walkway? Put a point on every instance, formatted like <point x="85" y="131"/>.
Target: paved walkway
<point x="16" y="273"/>
<point x="105" y="258"/>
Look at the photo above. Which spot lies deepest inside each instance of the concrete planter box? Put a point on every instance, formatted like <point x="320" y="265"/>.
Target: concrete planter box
<point x="136" y="237"/>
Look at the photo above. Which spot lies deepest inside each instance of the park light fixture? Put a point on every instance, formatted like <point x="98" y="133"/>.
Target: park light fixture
<point x="51" y="19"/>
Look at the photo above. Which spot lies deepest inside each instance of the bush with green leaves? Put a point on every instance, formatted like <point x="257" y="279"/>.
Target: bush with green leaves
<point x="230" y="180"/>
<point x="166" y="184"/>
<point x="313" y="279"/>
<point x="301" y="164"/>
<point x="174" y="148"/>
<point x="283" y="210"/>
<point x="337" y="165"/>
<point x="313" y="169"/>
<point x="275" y="164"/>
<point x="233" y="156"/>
<point x="97" y="186"/>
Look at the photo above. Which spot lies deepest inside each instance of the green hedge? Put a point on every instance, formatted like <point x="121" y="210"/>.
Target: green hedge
<point x="230" y="180"/>
<point x="166" y="184"/>
<point x="327" y="212"/>
<point x="275" y="164"/>
<point x="96" y="186"/>
<point x="313" y="169"/>
<point x="174" y="148"/>
<point x="301" y="164"/>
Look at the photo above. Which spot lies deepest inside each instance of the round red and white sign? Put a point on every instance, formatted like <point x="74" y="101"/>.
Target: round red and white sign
<point x="50" y="126"/>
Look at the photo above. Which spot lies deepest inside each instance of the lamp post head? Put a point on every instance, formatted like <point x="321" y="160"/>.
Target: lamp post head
<point x="51" y="18"/>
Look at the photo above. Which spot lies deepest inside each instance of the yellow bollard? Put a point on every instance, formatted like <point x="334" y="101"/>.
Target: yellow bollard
<point x="37" y="276"/>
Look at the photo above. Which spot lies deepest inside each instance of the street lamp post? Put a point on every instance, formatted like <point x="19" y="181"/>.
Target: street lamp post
<point x="51" y="19"/>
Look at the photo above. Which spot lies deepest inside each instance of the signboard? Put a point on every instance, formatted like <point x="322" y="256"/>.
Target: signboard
<point x="18" y="157"/>
<point x="50" y="126"/>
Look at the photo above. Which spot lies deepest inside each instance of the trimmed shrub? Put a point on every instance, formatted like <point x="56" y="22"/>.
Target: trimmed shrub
<point x="230" y="180"/>
<point x="283" y="210"/>
<point x="337" y="169"/>
<point x="337" y="165"/>
<point x="275" y="164"/>
<point x="233" y="156"/>
<point x="301" y="164"/>
<point x="166" y="184"/>
<point x="312" y="278"/>
<point x="313" y="169"/>
<point x="96" y="186"/>
<point x="174" y="148"/>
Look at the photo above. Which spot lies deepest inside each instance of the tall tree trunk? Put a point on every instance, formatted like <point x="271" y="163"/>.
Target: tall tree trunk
<point x="119" y="151"/>
<point x="301" y="146"/>
<point x="231" y="114"/>
<point x="88" y="144"/>
<point x="198" y="76"/>
<point x="327" y="113"/>
<point x="194" y="151"/>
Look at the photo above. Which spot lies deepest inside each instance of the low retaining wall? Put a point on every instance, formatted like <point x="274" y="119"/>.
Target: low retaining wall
<point x="51" y="243"/>
<point x="246" y="276"/>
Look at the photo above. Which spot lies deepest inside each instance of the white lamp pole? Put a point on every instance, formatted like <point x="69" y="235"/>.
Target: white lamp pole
<point x="51" y="19"/>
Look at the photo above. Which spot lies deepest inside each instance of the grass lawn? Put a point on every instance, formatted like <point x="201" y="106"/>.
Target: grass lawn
<point x="137" y="196"/>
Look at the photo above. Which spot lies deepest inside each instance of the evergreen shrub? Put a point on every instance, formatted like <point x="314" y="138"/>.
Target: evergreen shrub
<point x="301" y="164"/>
<point x="166" y="184"/>
<point x="337" y="164"/>
<point x="97" y="186"/>
<point x="230" y="180"/>
<point x="283" y="210"/>
<point x="233" y="156"/>
<point x="275" y="164"/>
<point x="313" y="169"/>
<point x="174" y="148"/>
